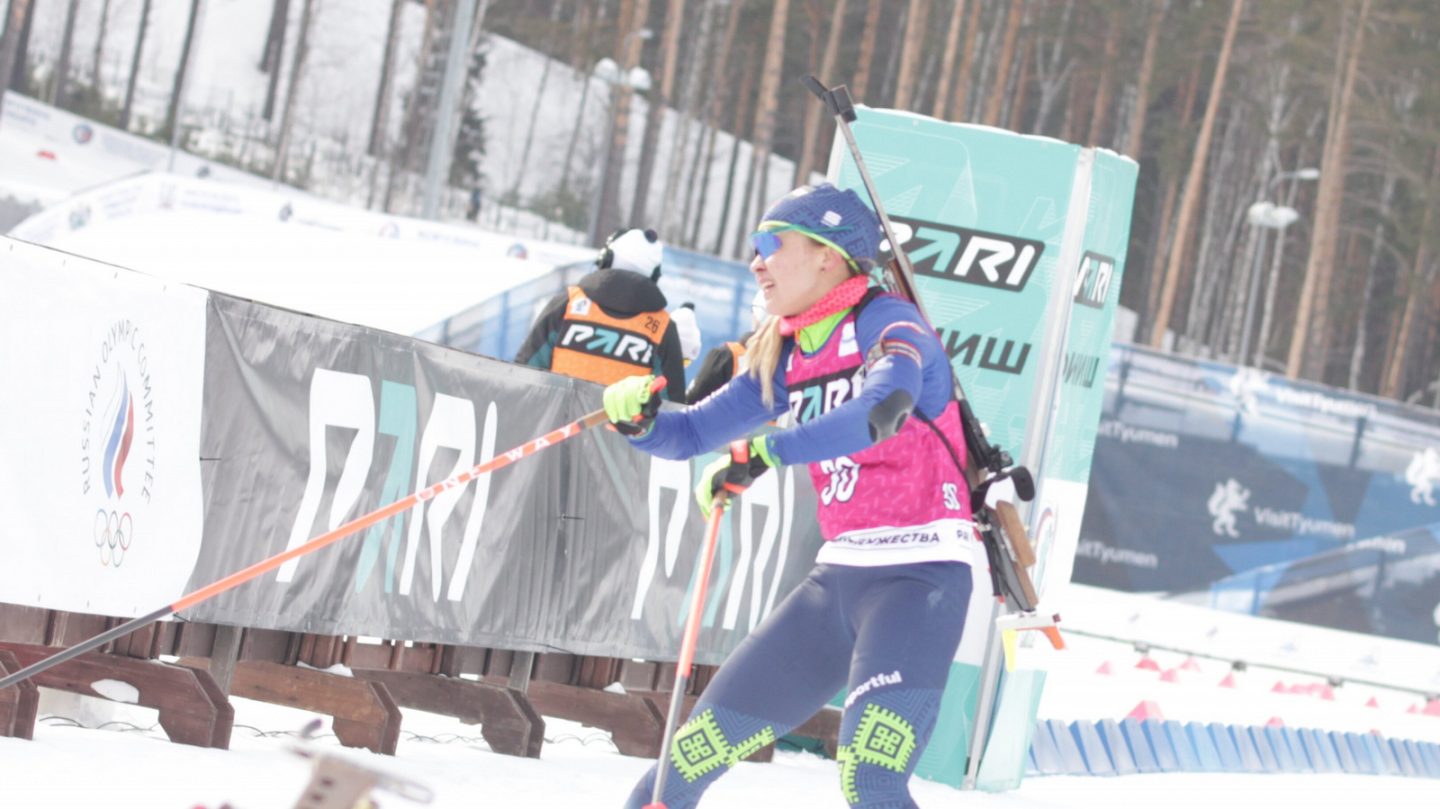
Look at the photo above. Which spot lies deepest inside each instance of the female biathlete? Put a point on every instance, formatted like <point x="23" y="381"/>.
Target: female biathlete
<point x="881" y="613"/>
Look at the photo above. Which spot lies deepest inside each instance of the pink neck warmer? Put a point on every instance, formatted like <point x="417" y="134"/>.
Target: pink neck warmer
<point x="842" y="297"/>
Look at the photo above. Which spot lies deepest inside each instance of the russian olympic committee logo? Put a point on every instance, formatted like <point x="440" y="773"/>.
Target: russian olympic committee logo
<point x="117" y="441"/>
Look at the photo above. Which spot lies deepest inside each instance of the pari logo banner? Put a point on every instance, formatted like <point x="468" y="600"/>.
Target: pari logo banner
<point x="346" y="401"/>
<point x="981" y="213"/>
<point x="994" y="260"/>
<point x="768" y="539"/>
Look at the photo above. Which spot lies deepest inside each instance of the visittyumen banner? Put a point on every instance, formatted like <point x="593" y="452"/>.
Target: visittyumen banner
<point x="1250" y="492"/>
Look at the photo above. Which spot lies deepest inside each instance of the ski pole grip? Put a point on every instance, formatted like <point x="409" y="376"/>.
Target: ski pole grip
<point x="836" y="100"/>
<point x="842" y="105"/>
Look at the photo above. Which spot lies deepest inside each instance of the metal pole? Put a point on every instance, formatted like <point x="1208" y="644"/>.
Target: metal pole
<point x="1256" y="270"/>
<point x="598" y="197"/>
<point x="442" y="142"/>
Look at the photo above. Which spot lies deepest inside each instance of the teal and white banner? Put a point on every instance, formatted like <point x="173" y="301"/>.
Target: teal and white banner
<point x="1018" y="245"/>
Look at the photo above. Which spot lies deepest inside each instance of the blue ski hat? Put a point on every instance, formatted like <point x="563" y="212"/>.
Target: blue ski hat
<point x="835" y="218"/>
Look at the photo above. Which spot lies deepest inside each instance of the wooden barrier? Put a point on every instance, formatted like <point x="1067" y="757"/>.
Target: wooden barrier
<point x="192" y="708"/>
<point x="506" y="693"/>
<point x="18" y="703"/>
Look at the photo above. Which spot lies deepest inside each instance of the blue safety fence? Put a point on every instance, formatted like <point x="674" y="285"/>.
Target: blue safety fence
<point x="1134" y="745"/>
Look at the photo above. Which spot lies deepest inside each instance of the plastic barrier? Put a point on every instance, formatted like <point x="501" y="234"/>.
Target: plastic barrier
<point x="1072" y="762"/>
<point x="1382" y="753"/>
<point x="1297" y="749"/>
<point x="1343" y="753"/>
<point x="1285" y="757"/>
<point x="1140" y="747"/>
<point x="1087" y="738"/>
<point x="1249" y="756"/>
<point x="1132" y="745"/>
<point x="1225" y="744"/>
<point x="1205" y="750"/>
<point x="1422" y="766"/>
<point x="1184" y="748"/>
<point x="1114" y="740"/>
<point x="1044" y="752"/>
<point x="1365" y="759"/>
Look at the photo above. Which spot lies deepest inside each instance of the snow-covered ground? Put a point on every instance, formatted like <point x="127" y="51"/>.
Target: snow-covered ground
<point x="128" y="763"/>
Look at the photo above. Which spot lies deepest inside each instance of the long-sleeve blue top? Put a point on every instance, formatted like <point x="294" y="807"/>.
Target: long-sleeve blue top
<point x="738" y="409"/>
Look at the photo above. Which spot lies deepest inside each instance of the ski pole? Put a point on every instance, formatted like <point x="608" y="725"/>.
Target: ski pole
<point x="839" y="103"/>
<point x="688" y="642"/>
<point x="265" y="565"/>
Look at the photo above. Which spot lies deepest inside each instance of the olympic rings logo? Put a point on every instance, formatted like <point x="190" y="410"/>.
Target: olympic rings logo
<point x="113" y="534"/>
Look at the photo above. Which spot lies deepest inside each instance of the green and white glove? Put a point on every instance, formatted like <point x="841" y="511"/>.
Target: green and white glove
<point x="733" y="472"/>
<point x="631" y="404"/>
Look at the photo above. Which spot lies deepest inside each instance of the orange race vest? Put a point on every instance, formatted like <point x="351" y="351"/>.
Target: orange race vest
<point x="737" y="359"/>
<point x="595" y="346"/>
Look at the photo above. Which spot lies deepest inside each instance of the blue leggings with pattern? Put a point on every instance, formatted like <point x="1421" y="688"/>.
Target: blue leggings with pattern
<point x="886" y="635"/>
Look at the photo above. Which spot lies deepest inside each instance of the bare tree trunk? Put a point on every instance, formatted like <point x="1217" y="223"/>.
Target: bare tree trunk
<point x="1070" y="124"/>
<point x="1002" y="64"/>
<point x="1019" y="93"/>
<point x="1192" y="183"/>
<point x="941" y="107"/>
<point x="768" y="102"/>
<point x="1309" y="350"/>
<point x="628" y="49"/>
<point x="582" y="32"/>
<point x="863" y="63"/>
<point x="1277" y="260"/>
<point x="655" y="113"/>
<point x="1155" y="281"/>
<point x="1100" y="110"/>
<point x="1136" y="132"/>
<point x="62" y="64"/>
<point x="99" y="52"/>
<point x="747" y="88"/>
<point x="892" y="62"/>
<point x="1051" y="72"/>
<point x="135" y="65"/>
<point x="690" y="98"/>
<point x="177" y="88"/>
<point x="910" y="53"/>
<point x="1208" y="276"/>
<point x="292" y="90"/>
<point x="1421" y="275"/>
<point x="380" y="118"/>
<point x="718" y="103"/>
<point x="9" y="42"/>
<point x="523" y="168"/>
<point x="1241" y="303"/>
<point x="960" y="99"/>
<point x="813" y="118"/>
<point x="272" y="57"/>
<point x="1377" y="247"/>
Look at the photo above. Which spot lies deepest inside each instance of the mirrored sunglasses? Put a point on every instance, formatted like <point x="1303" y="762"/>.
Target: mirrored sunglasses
<point x="766" y="243"/>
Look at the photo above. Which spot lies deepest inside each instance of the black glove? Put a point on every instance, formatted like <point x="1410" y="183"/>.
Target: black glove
<point x="747" y="460"/>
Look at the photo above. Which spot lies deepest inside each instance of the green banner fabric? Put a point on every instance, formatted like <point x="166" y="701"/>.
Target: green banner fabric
<point x="1021" y="279"/>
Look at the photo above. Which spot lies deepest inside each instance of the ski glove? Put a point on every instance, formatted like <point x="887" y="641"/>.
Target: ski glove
<point x="734" y="471"/>
<point x="631" y="404"/>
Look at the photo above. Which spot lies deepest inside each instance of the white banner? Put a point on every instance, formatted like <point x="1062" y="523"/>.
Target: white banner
<point x="101" y="374"/>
